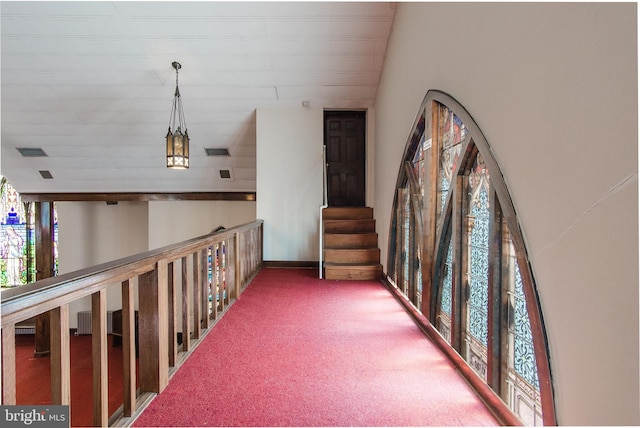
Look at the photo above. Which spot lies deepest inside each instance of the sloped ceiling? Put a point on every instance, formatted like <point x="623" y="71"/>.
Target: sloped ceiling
<point x="91" y="83"/>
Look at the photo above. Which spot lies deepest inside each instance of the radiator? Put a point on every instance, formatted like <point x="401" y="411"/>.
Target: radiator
<point x="25" y="329"/>
<point x="84" y="322"/>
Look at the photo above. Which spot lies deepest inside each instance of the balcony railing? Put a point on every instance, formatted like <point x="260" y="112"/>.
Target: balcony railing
<point x="183" y="288"/>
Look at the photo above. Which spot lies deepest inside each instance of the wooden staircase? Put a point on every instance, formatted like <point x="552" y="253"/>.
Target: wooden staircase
<point x="350" y="244"/>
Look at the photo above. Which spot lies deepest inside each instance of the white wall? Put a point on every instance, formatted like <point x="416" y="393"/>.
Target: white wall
<point x="90" y="233"/>
<point x="553" y="87"/>
<point x="175" y="221"/>
<point x="289" y="181"/>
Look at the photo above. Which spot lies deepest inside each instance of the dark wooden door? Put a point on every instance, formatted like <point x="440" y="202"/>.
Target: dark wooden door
<point x="344" y="136"/>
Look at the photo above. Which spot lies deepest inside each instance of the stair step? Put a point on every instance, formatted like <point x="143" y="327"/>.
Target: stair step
<point x="352" y="272"/>
<point x="350" y="244"/>
<point x="347" y="213"/>
<point x="352" y="255"/>
<point x="350" y="240"/>
<point x="349" y="226"/>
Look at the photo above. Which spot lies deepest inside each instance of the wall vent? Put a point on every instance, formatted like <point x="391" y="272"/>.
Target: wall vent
<point x="216" y="152"/>
<point x="46" y="174"/>
<point x="225" y="174"/>
<point x="31" y="152"/>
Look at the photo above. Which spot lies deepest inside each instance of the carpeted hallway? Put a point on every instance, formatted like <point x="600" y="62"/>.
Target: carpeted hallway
<point x="298" y="351"/>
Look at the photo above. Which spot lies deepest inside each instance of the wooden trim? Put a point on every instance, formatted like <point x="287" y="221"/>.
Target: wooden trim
<point x="186" y="307"/>
<point x="9" y="365"/>
<point x="173" y="314"/>
<point x="138" y="197"/>
<point x="29" y="300"/>
<point x="197" y="291"/>
<point x="289" y="264"/>
<point x="99" y="358"/>
<point x="128" y="346"/>
<point x="492" y="401"/>
<point x="495" y="312"/>
<point x="60" y="356"/>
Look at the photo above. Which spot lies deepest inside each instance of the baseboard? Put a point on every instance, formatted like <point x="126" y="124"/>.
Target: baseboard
<point x="289" y="264"/>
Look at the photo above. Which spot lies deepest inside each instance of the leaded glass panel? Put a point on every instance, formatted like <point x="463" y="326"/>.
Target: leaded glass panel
<point x="524" y="360"/>
<point x="444" y="309"/>
<point x="478" y="270"/>
<point x="445" y="299"/>
<point x="452" y="133"/>
<point x="523" y="392"/>
<point x="15" y="236"/>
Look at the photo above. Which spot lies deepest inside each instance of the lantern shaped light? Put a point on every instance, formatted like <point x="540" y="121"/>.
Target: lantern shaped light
<point x="177" y="141"/>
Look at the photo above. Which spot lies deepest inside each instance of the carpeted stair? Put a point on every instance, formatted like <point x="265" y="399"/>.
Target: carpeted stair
<point x="350" y="244"/>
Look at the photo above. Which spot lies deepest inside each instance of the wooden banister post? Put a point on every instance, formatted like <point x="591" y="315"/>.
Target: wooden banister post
<point x="153" y="331"/>
<point x="9" y="365"/>
<point x="172" y="278"/>
<point x="128" y="347"/>
<point x="186" y="308"/>
<point x="236" y="264"/>
<point x="197" y="289"/>
<point x="99" y="358"/>
<point x="60" y="356"/>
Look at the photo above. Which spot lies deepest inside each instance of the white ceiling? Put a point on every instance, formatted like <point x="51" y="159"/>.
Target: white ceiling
<point x="91" y="83"/>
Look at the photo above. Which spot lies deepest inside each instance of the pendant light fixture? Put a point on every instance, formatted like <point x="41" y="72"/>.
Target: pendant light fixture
<point x="177" y="142"/>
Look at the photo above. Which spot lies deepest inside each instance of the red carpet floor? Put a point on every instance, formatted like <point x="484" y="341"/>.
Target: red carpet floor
<point x="298" y="351"/>
<point x="33" y="377"/>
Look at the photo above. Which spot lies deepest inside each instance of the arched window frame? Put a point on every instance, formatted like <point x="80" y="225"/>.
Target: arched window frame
<point x="441" y="225"/>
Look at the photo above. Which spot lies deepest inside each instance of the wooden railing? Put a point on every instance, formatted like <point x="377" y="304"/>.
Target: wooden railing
<point x="198" y="278"/>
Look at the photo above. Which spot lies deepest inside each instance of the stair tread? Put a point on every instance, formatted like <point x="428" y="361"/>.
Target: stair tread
<point x="350" y="244"/>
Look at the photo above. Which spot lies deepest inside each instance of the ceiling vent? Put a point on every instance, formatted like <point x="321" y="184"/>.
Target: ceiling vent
<point x="31" y="152"/>
<point x="46" y="175"/>
<point x="225" y="174"/>
<point x="216" y="152"/>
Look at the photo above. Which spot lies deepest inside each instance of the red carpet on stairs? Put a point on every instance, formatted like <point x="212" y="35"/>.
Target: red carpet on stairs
<point x="298" y="351"/>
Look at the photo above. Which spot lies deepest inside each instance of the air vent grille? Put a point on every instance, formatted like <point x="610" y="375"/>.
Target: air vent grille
<point x="30" y="152"/>
<point x="216" y="152"/>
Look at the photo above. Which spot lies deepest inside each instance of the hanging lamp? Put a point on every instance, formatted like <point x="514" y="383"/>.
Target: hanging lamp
<point x="177" y="142"/>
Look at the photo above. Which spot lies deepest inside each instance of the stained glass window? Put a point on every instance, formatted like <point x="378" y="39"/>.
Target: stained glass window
<point x="444" y="325"/>
<point x="405" y="270"/>
<point x="524" y="360"/>
<point x="452" y="133"/>
<point x="462" y="241"/>
<point x="16" y="237"/>
<point x="478" y="270"/>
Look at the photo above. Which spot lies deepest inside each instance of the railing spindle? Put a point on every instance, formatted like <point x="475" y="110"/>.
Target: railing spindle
<point x="60" y="356"/>
<point x="99" y="356"/>
<point x="128" y="346"/>
<point x="173" y="314"/>
<point x="9" y="365"/>
<point x="236" y="264"/>
<point x="197" y="290"/>
<point x="186" y="308"/>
